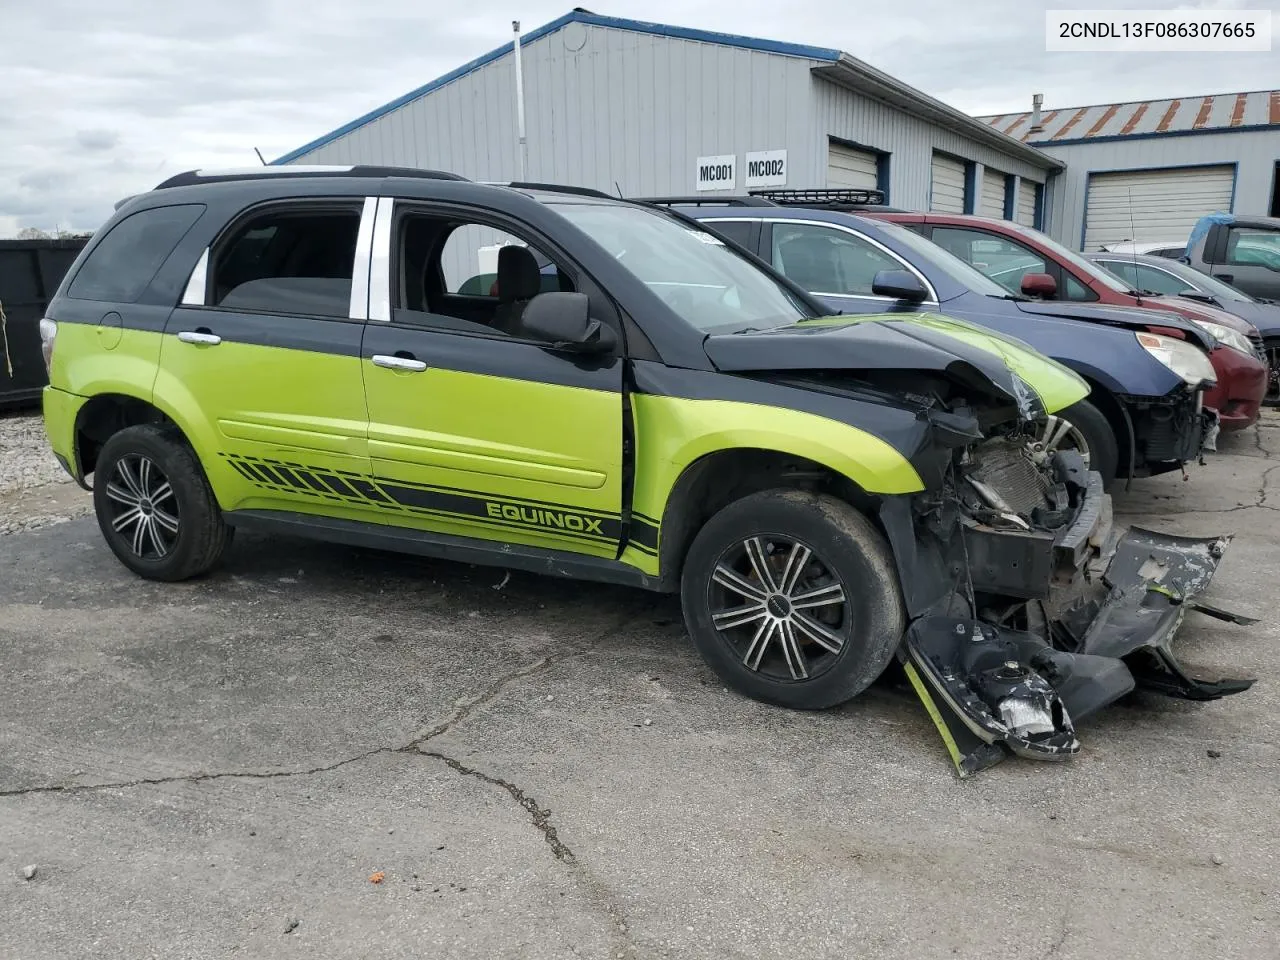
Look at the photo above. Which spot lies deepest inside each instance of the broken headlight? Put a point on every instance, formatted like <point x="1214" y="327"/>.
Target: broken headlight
<point x="1187" y="361"/>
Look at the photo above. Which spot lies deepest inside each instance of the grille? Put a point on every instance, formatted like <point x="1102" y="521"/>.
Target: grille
<point x="1005" y="467"/>
<point x="1255" y="338"/>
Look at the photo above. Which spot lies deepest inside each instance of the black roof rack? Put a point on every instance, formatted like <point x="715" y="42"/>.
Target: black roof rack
<point x="192" y="177"/>
<point x="701" y="201"/>
<point x="826" y="196"/>
<point x="559" y="188"/>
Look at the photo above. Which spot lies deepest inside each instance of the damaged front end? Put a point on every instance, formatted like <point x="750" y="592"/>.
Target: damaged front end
<point x="1029" y="608"/>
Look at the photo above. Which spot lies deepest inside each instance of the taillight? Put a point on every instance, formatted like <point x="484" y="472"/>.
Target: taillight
<point x="48" y="334"/>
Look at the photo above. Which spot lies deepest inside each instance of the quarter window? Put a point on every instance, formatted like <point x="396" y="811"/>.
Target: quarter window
<point x="121" y="265"/>
<point x="823" y="260"/>
<point x="288" y="261"/>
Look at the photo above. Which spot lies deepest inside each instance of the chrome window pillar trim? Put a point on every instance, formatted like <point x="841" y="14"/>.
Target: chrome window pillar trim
<point x="193" y="295"/>
<point x="380" y="262"/>
<point x="359" y="307"/>
<point x="933" y="294"/>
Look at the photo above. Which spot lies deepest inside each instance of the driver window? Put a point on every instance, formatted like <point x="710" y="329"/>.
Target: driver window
<point x="823" y="260"/>
<point x="470" y="277"/>
<point x="999" y="258"/>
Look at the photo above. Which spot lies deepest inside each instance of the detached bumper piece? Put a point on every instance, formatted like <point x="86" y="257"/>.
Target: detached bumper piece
<point x="993" y="691"/>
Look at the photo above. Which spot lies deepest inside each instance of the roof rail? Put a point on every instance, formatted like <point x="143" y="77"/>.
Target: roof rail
<point x="853" y="196"/>
<point x="698" y="201"/>
<point x="558" y="188"/>
<point x="301" y="170"/>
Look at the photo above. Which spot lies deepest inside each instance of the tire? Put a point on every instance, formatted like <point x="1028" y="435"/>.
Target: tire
<point x="1272" y="350"/>
<point x="1097" y="433"/>
<point x="847" y="555"/>
<point x="149" y="473"/>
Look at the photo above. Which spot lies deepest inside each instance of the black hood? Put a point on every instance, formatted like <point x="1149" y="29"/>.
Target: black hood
<point x="1264" y="316"/>
<point x="1131" y="318"/>
<point x="882" y="344"/>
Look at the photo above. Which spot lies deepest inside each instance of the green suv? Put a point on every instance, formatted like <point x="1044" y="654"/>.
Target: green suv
<point x="552" y="380"/>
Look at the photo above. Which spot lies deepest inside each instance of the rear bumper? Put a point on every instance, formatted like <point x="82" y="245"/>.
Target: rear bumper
<point x="1241" y="386"/>
<point x="60" y="411"/>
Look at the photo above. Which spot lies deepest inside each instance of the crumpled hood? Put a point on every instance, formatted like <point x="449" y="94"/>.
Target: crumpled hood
<point x="974" y="356"/>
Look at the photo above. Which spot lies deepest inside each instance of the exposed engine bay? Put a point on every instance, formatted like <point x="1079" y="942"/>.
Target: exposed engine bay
<point x="1029" y="609"/>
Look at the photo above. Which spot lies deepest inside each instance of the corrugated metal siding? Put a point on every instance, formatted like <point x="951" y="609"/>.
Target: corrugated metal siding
<point x="991" y="200"/>
<point x="633" y="111"/>
<point x="1153" y="205"/>
<point x="1254" y="153"/>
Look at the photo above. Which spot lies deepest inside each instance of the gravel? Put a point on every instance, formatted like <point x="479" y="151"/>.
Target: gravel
<point x="25" y="458"/>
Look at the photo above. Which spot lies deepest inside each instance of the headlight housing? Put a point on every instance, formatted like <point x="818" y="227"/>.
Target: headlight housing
<point x="1187" y="361"/>
<point x="1227" y="337"/>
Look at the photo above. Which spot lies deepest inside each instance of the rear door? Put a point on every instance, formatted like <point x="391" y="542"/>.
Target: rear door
<point x="474" y="432"/>
<point x="262" y="357"/>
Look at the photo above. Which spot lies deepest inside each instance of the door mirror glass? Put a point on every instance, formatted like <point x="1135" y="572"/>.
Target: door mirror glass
<point x="899" y="284"/>
<point x="564" y="321"/>
<point x="1039" y="285"/>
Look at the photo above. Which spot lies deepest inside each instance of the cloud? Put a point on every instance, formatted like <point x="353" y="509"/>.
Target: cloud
<point x="106" y="106"/>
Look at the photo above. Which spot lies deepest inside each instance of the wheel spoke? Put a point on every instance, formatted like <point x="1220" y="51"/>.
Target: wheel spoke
<point x="796" y="662"/>
<point x="133" y="515"/>
<point x="727" y="619"/>
<point x="121" y="495"/>
<point x="144" y="476"/>
<point x="1057" y="432"/>
<point x="818" y="597"/>
<point x="760" y="564"/>
<point x="760" y="643"/>
<point x="739" y="585"/>
<point x="162" y="493"/>
<point x="156" y="540"/>
<point x="164" y="520"/>
<point x="139" y="534"/>
<point x="797" y="560"/>
<point x="130" y="481"/>
<point x="819" y="634"/>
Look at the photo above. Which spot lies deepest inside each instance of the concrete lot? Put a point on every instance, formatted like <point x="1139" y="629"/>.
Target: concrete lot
<point x="547" y="770"/>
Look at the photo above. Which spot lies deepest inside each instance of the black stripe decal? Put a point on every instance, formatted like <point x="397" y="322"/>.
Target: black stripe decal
<point x="644" y="534"/>
<point x="559" y="521"/>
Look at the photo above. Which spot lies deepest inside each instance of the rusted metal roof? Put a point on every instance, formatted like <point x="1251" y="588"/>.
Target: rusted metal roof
<point x="1223" y="111"/>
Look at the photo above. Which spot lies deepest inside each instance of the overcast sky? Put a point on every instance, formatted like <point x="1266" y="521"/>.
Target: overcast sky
<point x="103" y="98"/>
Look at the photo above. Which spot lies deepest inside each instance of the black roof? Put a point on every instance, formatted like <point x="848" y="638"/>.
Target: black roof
<point x="194" y="177"/>
<point x="823" y="198"/>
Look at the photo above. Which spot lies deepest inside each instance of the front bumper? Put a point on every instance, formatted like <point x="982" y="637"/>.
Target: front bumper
<point x="1099" y="622"/>
<point x="1241" y="387"/>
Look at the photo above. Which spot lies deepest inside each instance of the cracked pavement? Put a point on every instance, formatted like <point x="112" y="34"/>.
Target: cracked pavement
<point x="196" y="767"/>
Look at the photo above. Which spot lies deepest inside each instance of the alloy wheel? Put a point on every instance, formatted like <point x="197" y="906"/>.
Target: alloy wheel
<point x="1058" y="433"/>
<point x="143" y="508"/>
<point x="781" y="609"/>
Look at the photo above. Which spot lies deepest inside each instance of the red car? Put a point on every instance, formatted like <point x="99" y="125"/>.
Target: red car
<point x="1025" y="261"/>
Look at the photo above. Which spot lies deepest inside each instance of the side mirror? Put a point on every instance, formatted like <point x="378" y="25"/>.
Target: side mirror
<point x="563" y="321"/>
<point x="899" y="284"/>
<point x="1039" y="285"/>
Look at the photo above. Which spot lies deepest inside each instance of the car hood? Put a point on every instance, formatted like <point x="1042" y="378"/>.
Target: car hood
<point x="973" y="356"/>
<point x="1132" y="318"/>
<point x="1264" y="316"/>
<point x="1199" y="311"/>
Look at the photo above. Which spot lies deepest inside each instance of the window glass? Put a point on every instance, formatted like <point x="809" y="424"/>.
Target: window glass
<point x="1123" y="269"/>
<point x="288" y="261"/>
<point x="999" y="258"/>
<point x="1064" y="256"/>
<point x="739" y="231"/>
<point x="122" y="264"/>
<point x="961" y="271"/>
<point x="706" y="283"/>
<point x="1249" y="246"/>
<point x="469" y="261"/>
<point x="823" y="260"/>
<point x="1075" y="290"/>
<point x="1149" y="279"/>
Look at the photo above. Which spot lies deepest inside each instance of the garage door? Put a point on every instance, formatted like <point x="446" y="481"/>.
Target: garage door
<point x="1025" y="213"/>
<point x="947" y="194"/>
<point x="1153" y="205"/>
<point x="851" y="167"/>
<point x="992" y="204"/>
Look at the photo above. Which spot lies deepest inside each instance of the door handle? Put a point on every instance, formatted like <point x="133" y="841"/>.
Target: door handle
<point x="204" y="338"/>
<point x="398" y="363"/>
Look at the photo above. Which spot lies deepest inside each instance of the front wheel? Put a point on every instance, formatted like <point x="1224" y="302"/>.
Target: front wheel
<point x="1272" y="350"/>
<point x="1083" y="428"/>
<point x="792" y="598"/>
<point x="154" y="505"/>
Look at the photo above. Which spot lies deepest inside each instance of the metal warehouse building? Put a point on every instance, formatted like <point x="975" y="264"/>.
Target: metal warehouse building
<point x="648" y="109"/>
<point x="1148" y="171"/>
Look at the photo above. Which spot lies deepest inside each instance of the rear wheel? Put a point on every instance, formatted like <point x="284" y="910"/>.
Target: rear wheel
<point x="1083" y="428"/>
<point x="792" y="598"/>
<point x="1272" y="351"/>
<point x="154" y="505"/>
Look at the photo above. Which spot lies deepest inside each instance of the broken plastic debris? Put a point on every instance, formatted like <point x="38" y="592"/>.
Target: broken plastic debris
<point x="377" y="877"/>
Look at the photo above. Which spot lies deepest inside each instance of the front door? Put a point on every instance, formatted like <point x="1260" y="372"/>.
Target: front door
<point x="475" y="430"/>
<point x="262" y="359"/>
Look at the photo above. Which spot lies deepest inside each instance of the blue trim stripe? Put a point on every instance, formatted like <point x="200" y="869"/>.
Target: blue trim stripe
<point x="970" y="187"/>
<point x="1010" y="195"/>
<point x="825" y="54"/>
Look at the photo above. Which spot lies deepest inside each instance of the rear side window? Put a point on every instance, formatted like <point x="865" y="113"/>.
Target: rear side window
<point x="122" y="264"/>
<point x="293" y="261"/>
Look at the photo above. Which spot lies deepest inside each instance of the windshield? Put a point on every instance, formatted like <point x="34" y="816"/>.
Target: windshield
<point x="957" y="269"/>
<point x="709" y="285"/>
<point x="1195" y="279"/>
<point x="1086" y="267"/>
